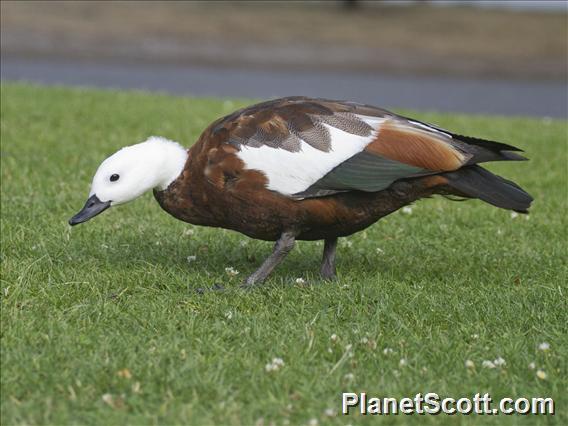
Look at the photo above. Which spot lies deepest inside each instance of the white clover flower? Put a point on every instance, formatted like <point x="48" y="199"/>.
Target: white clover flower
<point x="469" y="364"/>
<point x="349" y="377"/>
<point x="532" y="366"/>
<point x="191" y="259"/>
<point x="300" y="281"/>
<point x="275" y="365"/>
<point x="188" y="232"/>
<point x="544" y="347"/>
<point x="475" y="336"/>
<point x="403" y="362"/>
<point x="244" y="243"/>
<point x="231" y="271"/>
<point x="488" y="364"/>
<point x="364" y="340"/>
<point x="347" y="244"/>
<point x="329" y="412"/>
<point x="541" y="374"/>
<point x="313" y="422"/>
<point x="387" y="351"/>
<point x="499" y="362"/>
<point x="514" y="215"/>
<point x="229" y="315"/>
<point x="407" y="210"/>
<point x="348" y="347"/>
<point x="108" y="399"/>
<point x="334" y="338"/>
<point x="379" y="250"/>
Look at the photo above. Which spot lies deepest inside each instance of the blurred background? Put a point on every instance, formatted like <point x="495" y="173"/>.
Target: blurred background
<point x="490" y="57"/>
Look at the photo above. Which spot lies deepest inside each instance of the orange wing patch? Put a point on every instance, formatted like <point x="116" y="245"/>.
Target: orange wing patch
<point x="415" y="147"/>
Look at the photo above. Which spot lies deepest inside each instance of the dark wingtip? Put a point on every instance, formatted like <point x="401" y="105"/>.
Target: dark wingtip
<point x="484" y="143"/>
<point x="512" y="156"/>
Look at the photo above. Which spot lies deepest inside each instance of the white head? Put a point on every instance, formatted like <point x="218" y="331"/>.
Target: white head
<point x="132" y="171"/>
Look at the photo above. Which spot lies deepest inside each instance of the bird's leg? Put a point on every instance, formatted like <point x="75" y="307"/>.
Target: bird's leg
<point x="328" y="261"/>
<point x="281" y="249"/>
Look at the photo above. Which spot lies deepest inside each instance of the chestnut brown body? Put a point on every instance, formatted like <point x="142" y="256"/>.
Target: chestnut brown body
<point x="263" y="214"/>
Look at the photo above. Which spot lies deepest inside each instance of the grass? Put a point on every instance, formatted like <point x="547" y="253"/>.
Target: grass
<point x="101" y="323"/>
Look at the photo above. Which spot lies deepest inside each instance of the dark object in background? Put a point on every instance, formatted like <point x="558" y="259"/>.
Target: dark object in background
<point x="351" y="4"/>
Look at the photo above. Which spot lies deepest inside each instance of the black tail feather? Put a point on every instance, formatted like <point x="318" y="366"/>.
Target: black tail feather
<point x="512" y="156"/>
<point x="482" y="150"/>
<point x="484" y="143"/>
<point x="476" y="182"/>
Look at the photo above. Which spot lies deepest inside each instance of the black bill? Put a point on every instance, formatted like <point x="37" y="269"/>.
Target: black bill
<point x="92" y="207"/>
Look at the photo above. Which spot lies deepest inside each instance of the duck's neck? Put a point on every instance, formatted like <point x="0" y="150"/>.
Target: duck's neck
<point x="177" y="197"/>
<point x="170" y="162"/>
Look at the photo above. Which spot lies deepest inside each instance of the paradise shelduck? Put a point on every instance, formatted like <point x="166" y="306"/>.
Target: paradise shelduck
<point x="298" y="168"/>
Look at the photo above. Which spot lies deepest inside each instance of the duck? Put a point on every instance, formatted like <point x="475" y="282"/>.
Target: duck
<point x="300" y="168"/>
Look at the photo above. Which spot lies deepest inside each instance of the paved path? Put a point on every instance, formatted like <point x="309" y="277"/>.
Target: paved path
<point x="544" y="99"/>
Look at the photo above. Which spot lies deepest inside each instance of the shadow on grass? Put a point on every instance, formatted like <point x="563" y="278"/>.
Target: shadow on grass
<point x="416" y="264"/>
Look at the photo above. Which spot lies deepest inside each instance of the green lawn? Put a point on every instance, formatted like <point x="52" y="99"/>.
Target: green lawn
<point x="101" y="323"/>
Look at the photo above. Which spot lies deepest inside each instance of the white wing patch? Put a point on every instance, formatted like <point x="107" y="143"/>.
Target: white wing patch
<point x="293" y="172"/>
<point x="374" y="122"/>
<point x="430" y="128"/>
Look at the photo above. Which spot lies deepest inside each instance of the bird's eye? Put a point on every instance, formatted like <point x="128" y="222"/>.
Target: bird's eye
<point x="114" y="177"/>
